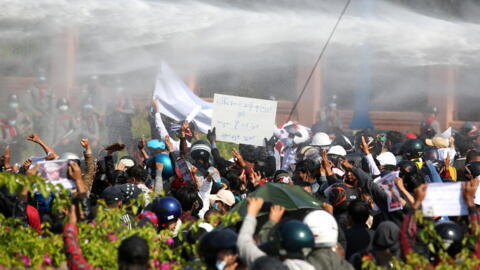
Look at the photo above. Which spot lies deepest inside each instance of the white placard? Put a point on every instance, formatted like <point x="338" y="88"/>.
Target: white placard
<point x="444" y="199"/>
<point x="243" y="120"/>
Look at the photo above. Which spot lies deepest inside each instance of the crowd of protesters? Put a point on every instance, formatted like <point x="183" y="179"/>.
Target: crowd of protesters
<point x="189" y="180"/>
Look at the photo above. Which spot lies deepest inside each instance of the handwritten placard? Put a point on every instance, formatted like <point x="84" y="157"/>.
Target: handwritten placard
<point x="444" y="199"/>
<point x="243" y="120"/>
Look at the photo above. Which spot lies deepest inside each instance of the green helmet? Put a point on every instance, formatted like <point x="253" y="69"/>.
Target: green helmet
<point x="294" y="239"/>
<point x="412" y="148"/>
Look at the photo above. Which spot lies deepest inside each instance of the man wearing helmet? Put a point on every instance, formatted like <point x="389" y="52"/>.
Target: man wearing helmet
<point x="163" y="213"/>
<point x="412" y="149"/>
<point x="40" y="103"/>
<point x="325" y="230"/>
<point x="293" y="240"/>
<point x="430" y="127"/>
<point x="65" y="130"/>
<point x="291" y="136"/>
<point x="15" y="125"/>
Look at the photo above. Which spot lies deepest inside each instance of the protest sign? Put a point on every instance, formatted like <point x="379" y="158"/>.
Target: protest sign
<point x="444" y="199"/>
<point x="35" y="160"/>
<point x="56" y="172"/>
<point x="393" y="195"/>
<point x="243" y="120"/>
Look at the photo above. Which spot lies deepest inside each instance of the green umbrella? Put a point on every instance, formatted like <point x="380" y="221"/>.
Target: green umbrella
<point x="288" y="196"/>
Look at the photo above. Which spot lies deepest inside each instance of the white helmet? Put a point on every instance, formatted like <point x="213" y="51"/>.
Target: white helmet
<point x="337" y="150"/>
<point x="304" y="135"/>
<point x="68" y="155"/>
<point x="321" y="139"/>
<point x="301" y="133"/>
<point x="324" y="228"/>
<point x="387" y="158"/>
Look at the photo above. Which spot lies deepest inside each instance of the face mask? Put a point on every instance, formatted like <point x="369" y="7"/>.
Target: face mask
<point x="288" y="142"/>
<point x="315" y="187"/>
<point x="220" y="265"/>
<point x="216" y="207"/>
<point x="12" y="122"/>
<point x="63" y="108"/>
<point x="13" y="105"/>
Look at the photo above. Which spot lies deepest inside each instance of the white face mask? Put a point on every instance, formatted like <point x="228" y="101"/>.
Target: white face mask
<point x="12" y="122"/>
<point x="13" y="105"/>
<point x="220" y="265"/>
<point x="63" y="108"/>
<point x="315" y="187"/>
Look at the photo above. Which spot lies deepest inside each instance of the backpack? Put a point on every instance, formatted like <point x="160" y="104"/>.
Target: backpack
<point x="341" y="193"/>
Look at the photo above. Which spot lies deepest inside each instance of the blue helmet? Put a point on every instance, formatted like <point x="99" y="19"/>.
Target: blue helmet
<point x="166" y="209"/>
<point x="167" y="165"/>
<point x="156" y="144"/>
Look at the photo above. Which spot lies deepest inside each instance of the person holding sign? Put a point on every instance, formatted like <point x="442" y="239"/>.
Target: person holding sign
<point x="450" y="232"/>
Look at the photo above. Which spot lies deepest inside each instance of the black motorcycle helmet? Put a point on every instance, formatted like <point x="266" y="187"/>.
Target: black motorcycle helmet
<point x="411" y="175"/>
<point x="293" y="239"/>
<point x="412" y="149"/>
<point x="452" y="235"/>
<point x="215" y="241"/>
<point x="200" y="152"/>
<point x="472" y="169"/>
<point x="469" y="129"/>
<point x="430" y="153"/>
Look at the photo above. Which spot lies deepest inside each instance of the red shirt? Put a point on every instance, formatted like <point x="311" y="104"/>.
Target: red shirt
<point x="75" y="259"/>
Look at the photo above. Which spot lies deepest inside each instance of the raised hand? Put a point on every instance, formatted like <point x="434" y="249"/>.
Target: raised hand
<point x="26" y="164"/>
<point x="447" y="160"/>
<point x="74" y="171"/>
<point x="276" y="213"/>
<point x="346" y="164"/>
<point x="34" y="138"/>
<point x="212" y="135"/>
<point x="469" y="190"/>
<point x="72" y="214"/>
<point x="85" y="144"/>
<point x="33" y="170"/>
<point x="155" y="105"/>
<point x="365" y="147"/>
<point x="75" y="174"/>
<point x="420" y="193"/>
<point x="327" y="165"/>
<point x="6" y="157"/>
<point x="238" y="157"/>
<point x="270" y="144"/>
<point x="255" y="178"/>
<point x="168" y="144"/>
<point x="254" y="205"/>
<point x="142" y="144"/>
